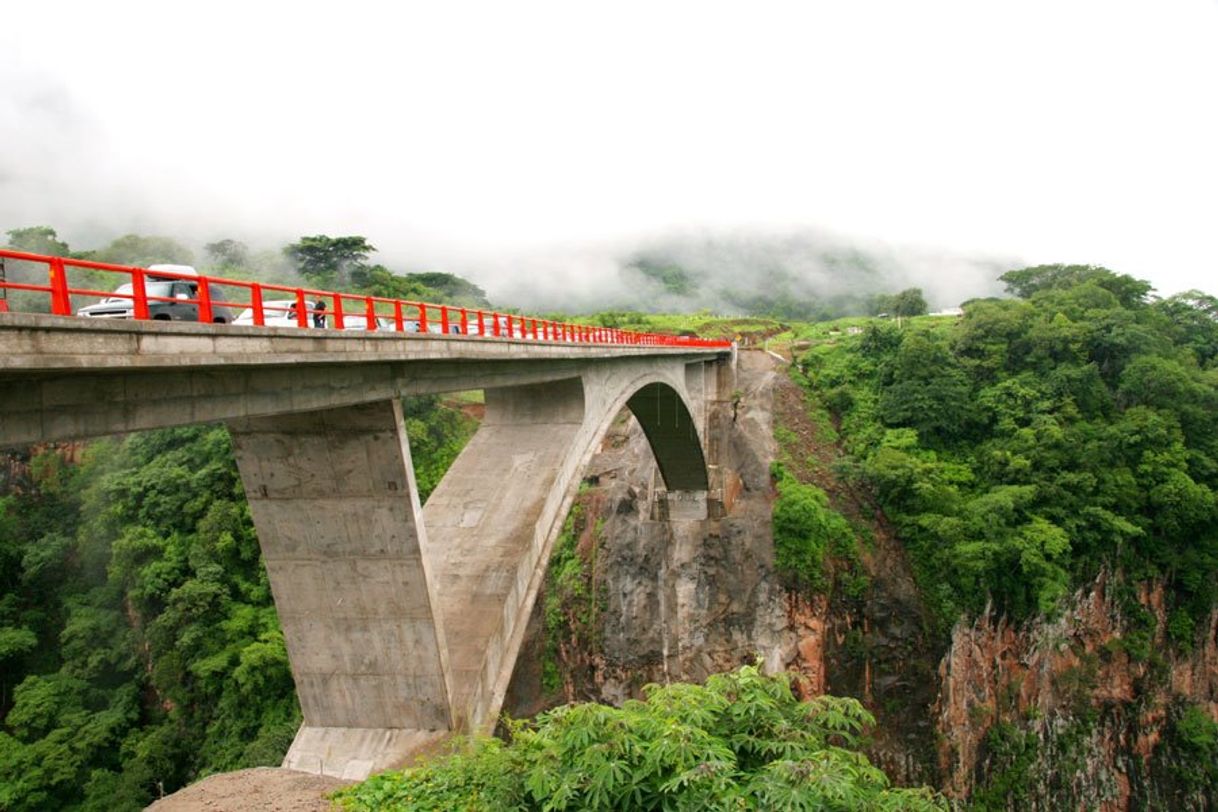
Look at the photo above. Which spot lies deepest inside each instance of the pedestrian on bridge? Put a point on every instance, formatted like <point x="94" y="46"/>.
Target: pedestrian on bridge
<point x="319" y="313"/>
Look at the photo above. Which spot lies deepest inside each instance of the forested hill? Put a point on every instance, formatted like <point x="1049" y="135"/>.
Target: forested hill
<point x="320" y="261"/>
<point x="1040" y="439"/>
<point x="139" y="645"/>
<point x="800" y="276"/>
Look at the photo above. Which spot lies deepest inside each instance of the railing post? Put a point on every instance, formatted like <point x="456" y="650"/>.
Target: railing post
<point x="398" y="323"/>
<point x="256" y="304"/>
<point x="139" y="295"/>
<point x="61" y="302"/>
<point x="494" y="324"/>
<point x="340" y="323"/>
<point x="464" y="322"/>
<point x="444" y="319"/>
<point x="302" y="309"/>
<point x="533" y="326"/>
<point x="370" y="313"/>
<point x="422" y="318"/>
<point x="481" y="326"/>
<point x="204" y="294"/>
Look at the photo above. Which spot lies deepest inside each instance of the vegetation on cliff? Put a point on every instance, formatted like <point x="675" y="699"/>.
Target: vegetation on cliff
<point x="742" y="741"/>
<point x="1036" y="440"/>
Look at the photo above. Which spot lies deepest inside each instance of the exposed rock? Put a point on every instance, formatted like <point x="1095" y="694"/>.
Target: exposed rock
<point x="1091" y="718"/>
<point x="681" y="599"/>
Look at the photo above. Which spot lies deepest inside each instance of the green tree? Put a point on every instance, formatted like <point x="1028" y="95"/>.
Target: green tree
<point x="329" y="261"/>
<point x="1027" y="282"/>
<point x="909" y="302"/>
<point x="37" y="240"/>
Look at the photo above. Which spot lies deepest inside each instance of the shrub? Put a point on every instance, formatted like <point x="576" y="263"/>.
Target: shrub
<point x="742" y="741"/>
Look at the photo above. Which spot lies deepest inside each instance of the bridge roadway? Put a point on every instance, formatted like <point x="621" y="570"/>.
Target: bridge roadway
<point x="402" y="621"/>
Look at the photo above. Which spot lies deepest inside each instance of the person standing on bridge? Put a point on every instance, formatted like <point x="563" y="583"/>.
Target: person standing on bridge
<point x="319" y="313"/>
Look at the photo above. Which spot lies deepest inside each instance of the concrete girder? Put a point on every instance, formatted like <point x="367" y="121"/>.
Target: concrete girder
<point x="438" y="597"/>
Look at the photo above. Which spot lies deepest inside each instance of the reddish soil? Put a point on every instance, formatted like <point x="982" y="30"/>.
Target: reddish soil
<point x="262" y="789"/>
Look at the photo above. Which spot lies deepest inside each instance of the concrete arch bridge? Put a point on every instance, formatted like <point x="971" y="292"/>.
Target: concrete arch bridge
<point x="402" y="621"/>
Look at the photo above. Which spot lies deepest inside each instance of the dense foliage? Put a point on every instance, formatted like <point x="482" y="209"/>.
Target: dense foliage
<point x="151" y="649"/>
<point x="742" y="741"/>
<point x="1037" y="440"/>
<point x="139" y="645"/>
<point x="437" y="434"/>
<point x="806" y="528"/>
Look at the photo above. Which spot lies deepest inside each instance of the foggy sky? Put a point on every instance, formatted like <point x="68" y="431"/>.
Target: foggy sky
<point x="529" y="145"/>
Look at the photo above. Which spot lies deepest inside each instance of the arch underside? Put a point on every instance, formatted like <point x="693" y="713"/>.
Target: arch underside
<point x="673" y="437"/>
<point x="491" y="522"/>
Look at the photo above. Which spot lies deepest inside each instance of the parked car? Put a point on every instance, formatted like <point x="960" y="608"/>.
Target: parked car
<point x="358" y="321"/>
<point x="169" y="298"/>
<point x="276" y="313"/>
<point x="282" y="313"/>
<point x="488" y="326"/>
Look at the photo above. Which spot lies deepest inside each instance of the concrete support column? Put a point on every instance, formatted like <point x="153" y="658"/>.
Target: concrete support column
<point x="492" y="519"/>
<point x="336" y="508"/>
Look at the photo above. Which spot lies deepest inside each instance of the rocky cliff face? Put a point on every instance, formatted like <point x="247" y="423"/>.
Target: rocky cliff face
<point x="661" y="600"/>
<point x="1058" y="713"/>
<point x="1053" y="715"/>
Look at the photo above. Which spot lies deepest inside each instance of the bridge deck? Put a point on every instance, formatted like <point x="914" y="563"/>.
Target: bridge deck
<point x="34" y="342"/>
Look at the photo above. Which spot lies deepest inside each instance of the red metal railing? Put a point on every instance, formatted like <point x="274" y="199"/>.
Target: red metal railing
<point x="210" y="298"/>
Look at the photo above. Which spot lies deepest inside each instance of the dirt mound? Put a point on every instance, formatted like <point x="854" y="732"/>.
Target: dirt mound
<point x="268" y="789"/>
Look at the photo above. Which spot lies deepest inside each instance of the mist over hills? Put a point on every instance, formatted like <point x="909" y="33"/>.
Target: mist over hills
<point x="799" y="275"/>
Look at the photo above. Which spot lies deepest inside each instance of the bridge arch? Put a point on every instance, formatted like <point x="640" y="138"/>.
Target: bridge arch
<point x="492" y="521"/>
<point x="673" y="436"/>
<point x="433" y="600"/>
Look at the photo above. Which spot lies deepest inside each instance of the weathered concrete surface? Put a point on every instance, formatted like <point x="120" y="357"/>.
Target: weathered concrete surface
<point x="494" y="518"/>
<point x="355" y="753"/>
<point x="38" y="342"/>
<point x="677" y="596"/>
<point x="333" y="498"/>
<point x="71" y="378"/>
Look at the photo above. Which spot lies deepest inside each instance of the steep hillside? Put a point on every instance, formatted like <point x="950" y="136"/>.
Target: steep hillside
<point x="999" y="532"/>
